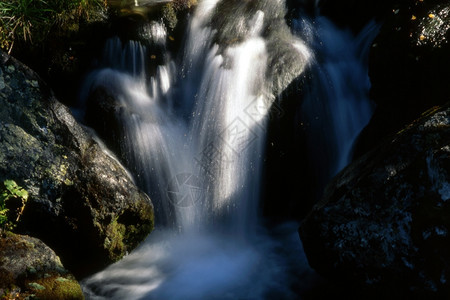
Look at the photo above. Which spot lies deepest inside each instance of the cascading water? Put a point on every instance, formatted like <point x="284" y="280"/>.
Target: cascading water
<point x="194" y="138"/>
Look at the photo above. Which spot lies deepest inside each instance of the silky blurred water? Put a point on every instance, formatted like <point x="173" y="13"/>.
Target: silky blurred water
<point x="195" y="134"/>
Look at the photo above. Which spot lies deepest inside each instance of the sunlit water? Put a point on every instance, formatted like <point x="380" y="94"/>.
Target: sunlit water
<point x="194" y="136"/>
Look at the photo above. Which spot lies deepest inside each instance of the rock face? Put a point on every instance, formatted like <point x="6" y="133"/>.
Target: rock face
<point x="82" y="203"/>
<point x="104" y="113"/>
<point x="409" y="59"/>
<point x="287" y="56"/>
<point x="409" y="66"/>
<point x="29" y="268"/>
<point x="384" y="223"/>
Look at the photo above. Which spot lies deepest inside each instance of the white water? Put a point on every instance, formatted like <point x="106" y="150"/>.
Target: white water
<point x="195" y="139"/>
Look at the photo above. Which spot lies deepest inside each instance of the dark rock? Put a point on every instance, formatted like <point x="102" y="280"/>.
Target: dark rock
<point x="409" y="63"/>
<point x="409" y="67"/>
<point x="383" y="223"/>
<point x="136" y="23"/>
<point x="29" y="268"/>
<point x="82" y="202"/>
<point x="110" y="116"/>
<point x="105" y="114"/>
<point x="286" y="157"/>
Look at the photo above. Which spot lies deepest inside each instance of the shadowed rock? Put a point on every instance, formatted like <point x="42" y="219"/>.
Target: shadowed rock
<point x="82" y="202"/>
<point x="29" y="268"/>
<point x="383" y="223"/>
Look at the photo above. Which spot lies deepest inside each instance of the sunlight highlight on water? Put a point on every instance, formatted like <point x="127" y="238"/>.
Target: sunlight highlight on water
<point x="194" y="134"/>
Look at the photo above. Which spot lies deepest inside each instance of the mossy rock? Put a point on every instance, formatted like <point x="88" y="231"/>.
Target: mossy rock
<point x="29" y="268"/>
<point x="55" y="287"/>
<point x="79" y="195"/>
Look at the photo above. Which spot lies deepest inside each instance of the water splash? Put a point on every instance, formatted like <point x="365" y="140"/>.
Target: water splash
<point x="208" y="266"/>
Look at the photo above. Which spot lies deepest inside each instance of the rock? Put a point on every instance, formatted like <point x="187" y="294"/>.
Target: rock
<point x="29" y="268"/>
<point x="136" y="23"/>
<point x="383" y="223"/>
<point x="105" y="114"/>
<point x="409" y="66"/>
<point x="408" y="62"/>
<point x="82" y="202"/>
<point x="287" y="55"/>
<point x="110" y="116"/>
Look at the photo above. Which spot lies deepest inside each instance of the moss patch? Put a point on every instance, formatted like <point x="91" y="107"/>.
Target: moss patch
<point x="56" y="287"/>
<point x="114" y="240"/>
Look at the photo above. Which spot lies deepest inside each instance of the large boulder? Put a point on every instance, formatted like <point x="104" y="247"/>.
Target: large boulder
<point x="29" y="268"/>
<point x="82" y="202"/>
<point x="383" y="223"/>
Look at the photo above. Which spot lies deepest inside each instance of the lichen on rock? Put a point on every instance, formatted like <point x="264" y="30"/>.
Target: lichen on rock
<point x="76" y="190"/>
<point x="383" y="222"/>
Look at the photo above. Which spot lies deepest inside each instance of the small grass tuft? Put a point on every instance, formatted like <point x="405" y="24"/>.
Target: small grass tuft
<point x="31" y="21"/>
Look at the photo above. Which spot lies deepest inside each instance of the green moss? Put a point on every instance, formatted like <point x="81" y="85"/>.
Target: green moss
<point x="56" y="287"/>
<point x="114" y="241"/>
<point x="36" y="286"/>
<point x="136" y="232"/>
<point x="123" y="234"/>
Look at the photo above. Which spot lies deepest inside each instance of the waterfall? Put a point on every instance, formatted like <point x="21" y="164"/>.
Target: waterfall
<point x="193" y="131"/>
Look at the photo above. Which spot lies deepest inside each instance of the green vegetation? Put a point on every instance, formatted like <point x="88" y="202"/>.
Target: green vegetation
<point x="12" y="195"/>
<point x="114" y="240"/>
<point x="30" y="21"/>
<point x="56" y="287"/>
<point x="19" y="17"/>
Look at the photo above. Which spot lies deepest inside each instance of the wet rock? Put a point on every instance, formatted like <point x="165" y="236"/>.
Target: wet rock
<point x="29" y="268"/>
<point x="287" y="55"/>
<point x="383" y="223"/>
<point x="105" y="114"/>
<point x="82" y="202"/>
<point x="134" y="23"/>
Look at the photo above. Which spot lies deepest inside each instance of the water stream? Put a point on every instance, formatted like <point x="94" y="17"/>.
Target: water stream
<point x="194" y="137"/>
